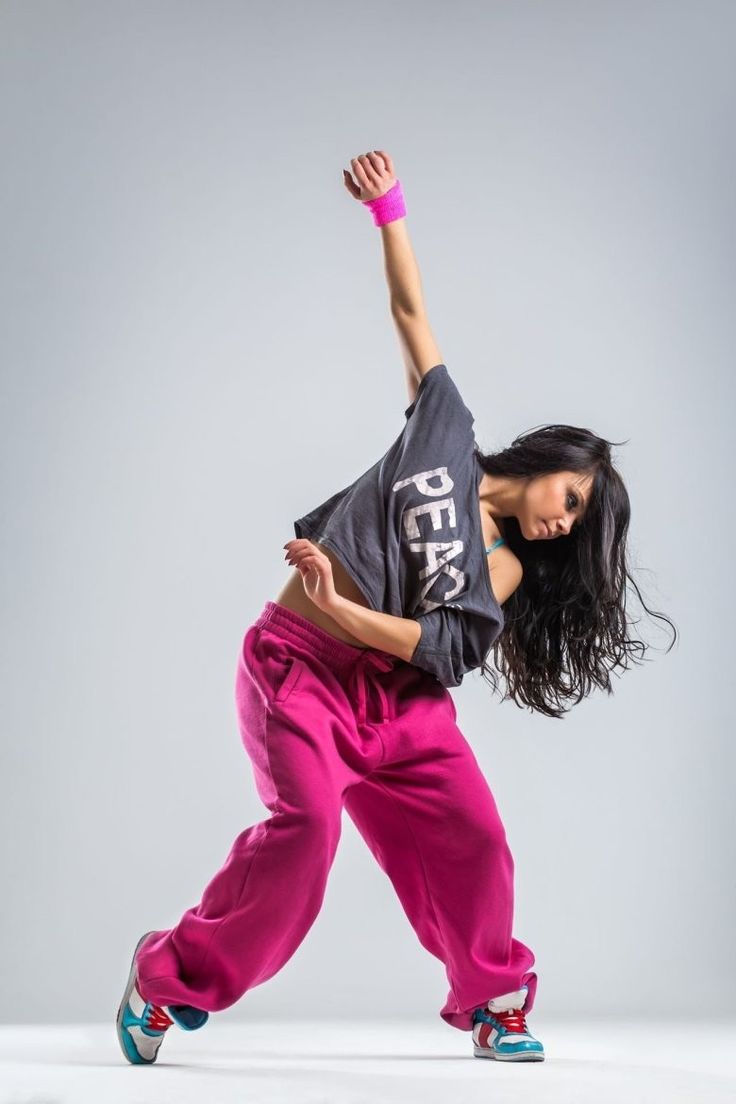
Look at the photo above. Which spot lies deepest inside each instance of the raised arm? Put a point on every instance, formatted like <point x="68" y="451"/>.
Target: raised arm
<point x="375" y="176"/>
<point x="418" y="346"/>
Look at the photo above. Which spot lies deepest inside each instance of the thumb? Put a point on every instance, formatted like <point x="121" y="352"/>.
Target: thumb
<point x="350" y="184"/>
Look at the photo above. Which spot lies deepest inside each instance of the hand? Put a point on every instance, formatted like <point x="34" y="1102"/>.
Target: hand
<point x="316" y="572"/>
<point x="375" y="175"/>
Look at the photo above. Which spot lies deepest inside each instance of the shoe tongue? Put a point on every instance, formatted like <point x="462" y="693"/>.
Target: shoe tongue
<point x="508" y="1002"/>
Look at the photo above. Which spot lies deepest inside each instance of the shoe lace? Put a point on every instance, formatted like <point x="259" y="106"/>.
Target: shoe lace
<point x="512" y="1020"/>
<point x="156" y="1018"/>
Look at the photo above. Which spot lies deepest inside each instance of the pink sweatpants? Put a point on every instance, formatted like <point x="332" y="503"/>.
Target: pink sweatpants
<point x="328" y="725"/>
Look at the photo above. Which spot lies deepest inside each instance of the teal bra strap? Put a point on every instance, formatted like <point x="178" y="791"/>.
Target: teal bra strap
<point x="495" y="544"/>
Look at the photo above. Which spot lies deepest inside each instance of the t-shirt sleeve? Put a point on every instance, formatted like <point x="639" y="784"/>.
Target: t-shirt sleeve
<point x="445" y="649"/>
<point x="437" y="397"/>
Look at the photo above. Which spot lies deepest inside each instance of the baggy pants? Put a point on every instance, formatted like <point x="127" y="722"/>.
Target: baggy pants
<point x="328" y="725"/>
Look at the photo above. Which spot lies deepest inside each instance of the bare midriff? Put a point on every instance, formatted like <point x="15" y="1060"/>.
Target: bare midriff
<point x="294" y="597"/>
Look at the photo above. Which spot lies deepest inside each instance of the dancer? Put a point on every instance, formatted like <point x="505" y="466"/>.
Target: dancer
<point x="403" y="582"/>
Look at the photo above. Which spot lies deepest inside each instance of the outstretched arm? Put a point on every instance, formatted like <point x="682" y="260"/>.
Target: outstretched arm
<point x="375" y="175"/>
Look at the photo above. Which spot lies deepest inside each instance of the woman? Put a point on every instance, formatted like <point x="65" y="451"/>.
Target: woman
<point x="403" y="582"/>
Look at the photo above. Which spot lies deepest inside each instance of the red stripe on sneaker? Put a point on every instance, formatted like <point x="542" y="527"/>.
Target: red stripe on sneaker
<point x="485" y="1031"/>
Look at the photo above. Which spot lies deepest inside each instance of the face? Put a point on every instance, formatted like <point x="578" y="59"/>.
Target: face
<point x="553" y="503"/>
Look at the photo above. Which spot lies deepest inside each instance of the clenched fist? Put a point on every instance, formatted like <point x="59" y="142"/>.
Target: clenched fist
<point x="374" y="173"/>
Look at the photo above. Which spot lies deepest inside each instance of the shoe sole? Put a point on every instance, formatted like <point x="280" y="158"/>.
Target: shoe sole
<point x="522" y="1056"/>
<point x="124" y="1001"/>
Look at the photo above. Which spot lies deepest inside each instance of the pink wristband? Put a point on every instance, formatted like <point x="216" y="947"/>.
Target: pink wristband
<point x="388" y="207"/>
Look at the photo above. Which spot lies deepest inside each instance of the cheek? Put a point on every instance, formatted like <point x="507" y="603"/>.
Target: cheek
<point x="537" y="504"/>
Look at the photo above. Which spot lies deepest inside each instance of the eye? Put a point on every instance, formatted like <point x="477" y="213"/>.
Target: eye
<point x="576" y="503"/>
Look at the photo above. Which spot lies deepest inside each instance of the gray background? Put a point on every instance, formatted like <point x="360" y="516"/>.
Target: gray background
<point x="197" y="348"/>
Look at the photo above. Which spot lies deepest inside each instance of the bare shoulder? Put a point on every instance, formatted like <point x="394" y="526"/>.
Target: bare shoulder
<point x="504" y="566"/>
<point x="506" y="573"/>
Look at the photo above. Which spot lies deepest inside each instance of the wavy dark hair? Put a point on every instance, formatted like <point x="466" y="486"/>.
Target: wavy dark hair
<point x="566" y="627"/>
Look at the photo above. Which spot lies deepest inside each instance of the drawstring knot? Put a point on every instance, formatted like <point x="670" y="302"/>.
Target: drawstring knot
<point x="369" y="658"/>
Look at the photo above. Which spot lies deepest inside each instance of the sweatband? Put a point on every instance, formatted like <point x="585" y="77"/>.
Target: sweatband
<point x="388" y="207"/>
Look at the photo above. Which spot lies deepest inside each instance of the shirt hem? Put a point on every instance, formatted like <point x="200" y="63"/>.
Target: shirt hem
<point x="311" y="535"/>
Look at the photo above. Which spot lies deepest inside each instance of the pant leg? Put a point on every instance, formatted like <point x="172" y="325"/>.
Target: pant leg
<point x="430" y="819"/>
<point x="258" y="908"/>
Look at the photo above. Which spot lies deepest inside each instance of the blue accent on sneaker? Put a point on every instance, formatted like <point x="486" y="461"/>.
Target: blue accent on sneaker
<point x="187" y="1016"/>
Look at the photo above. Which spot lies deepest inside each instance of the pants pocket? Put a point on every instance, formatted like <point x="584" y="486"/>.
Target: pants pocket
<point x="279" y="665"/>
<point x="291" y="678"/>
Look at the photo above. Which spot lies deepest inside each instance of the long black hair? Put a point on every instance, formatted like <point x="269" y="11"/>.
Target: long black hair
<point x="566" y="627"/>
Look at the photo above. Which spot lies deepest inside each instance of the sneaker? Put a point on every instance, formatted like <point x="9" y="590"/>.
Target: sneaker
<point x="500" y="1030"/>
<point x="141" y="1025"/>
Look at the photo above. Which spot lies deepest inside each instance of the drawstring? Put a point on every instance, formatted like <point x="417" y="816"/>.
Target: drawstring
<point x="381" y="663"/>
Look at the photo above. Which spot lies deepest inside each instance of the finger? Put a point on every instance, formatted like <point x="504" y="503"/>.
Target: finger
<point x="387" y="159"/>
<point x="311" y="559"/>
<point x="376" y="163"/>
<point x="362" y="175"/>
<point x="306" y="564"/>
<point x="373" y="169"/>
<point x="298" y="556"/>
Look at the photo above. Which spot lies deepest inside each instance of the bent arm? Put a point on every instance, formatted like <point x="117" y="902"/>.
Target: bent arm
<point x="396" y="635"/>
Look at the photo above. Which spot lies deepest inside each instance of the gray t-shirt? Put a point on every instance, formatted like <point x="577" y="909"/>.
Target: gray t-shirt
<point x="409" y="533"/>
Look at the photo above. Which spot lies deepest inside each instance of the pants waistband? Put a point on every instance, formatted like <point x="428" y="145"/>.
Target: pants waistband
<point x="338" y="653"/>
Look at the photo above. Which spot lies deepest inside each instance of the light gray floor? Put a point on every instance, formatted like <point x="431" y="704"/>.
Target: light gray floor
<point x="297" y="1061"/>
